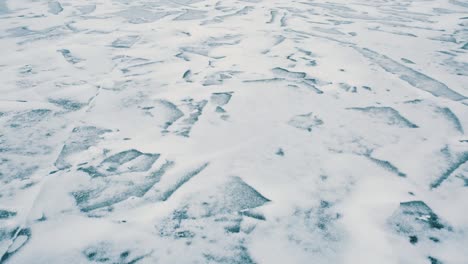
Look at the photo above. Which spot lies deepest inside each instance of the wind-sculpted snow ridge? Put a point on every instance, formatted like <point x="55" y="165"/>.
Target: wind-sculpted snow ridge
<point x="251" y="131"/>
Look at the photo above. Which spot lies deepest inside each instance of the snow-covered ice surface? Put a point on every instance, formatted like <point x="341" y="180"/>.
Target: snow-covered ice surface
<point x="246" y="131"/>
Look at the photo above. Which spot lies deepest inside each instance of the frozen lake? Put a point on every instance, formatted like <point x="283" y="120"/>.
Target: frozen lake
<point x="247" y="131"/>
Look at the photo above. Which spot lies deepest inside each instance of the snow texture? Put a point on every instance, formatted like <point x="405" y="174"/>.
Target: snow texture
<point x="247" y="131"/>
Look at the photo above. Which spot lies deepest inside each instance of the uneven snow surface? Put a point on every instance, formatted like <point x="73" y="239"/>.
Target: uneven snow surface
<point x="243" y="131"/>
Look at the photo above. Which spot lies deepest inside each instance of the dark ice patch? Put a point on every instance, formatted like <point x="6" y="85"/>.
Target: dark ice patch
<point x="69" y="57"/>
<point x="316" y="229"/>
<point x="221" y="99"/>
<point x="86" y="9"/>
<point x="80" y="139"/>
<point x="19" y="239"/>
<point x="55" y="7"/>
<point x="101" y="195"/>
<point x="219" y="19"/>
<point x="386" y="114"/>
<point x="218" y="78"/>
<point x="232" y="197"/>
<point x="454" y="165"/>
<point x="407" y="61"/>
<point x="3" y="7"/>
<point x="29" y="118"/>
<point x="413" y="239"/>
<point x="124" y="162"/>
<point x="348" y="88"/>
<point x="387" y="165"/>
<point x="415" y="218"/>
<point x="458" y="3"/>
<point x="306" y="121"/>
<point x="273" y="14"/>
<point x="283" y="20"/>
<point x="183" y="56"/>
<point x="220" y="110"/>
<point x="193" y="111"/>
<point x="67" y="104"/>
<point x="414" y="78"/>
<point x="264" y="80"/>
<point x="166" y="113"/>
<point x="27" y="69"/>
<point x="241" y="256"/>
<point x="234" y="227"/>
<point x="451" y="117"/>
<point x="191" y="14"/>
<point x="125" y="42"/>
<point x="238" y="196"/>
<point x="253" y="214"/>
<point x="105" y="253"/>
<point x="311" y="85"/>
<point x="181" y="181"/>
<point x="140" y="15"/>
<point x="15" y="170"/>
<point x="434" y="260"/>
<point x="5" y="214"/>
<point x="280" y="152"/>
<point x="284" y="73"/>
<point x="221" y="211"/>
<point x="187" y="76"/>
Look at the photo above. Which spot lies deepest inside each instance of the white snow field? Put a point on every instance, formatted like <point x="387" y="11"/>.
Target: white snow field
<point x="243" y="131"/>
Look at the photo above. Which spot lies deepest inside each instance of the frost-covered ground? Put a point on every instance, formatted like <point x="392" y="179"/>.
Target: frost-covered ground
<point x="254" y="131"/>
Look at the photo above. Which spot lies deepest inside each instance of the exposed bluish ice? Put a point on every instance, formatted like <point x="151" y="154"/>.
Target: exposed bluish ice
<point x="125" y="42"/>
<point x="86" y="9"/>
<point x="221" y="99"/>
<point x="69" y="56"/>
<point x="191" y="15"/>
<point x="387" y="115"/>
<point x="415" y="78"/>
<point x="123" y="162"/>
<point x="55" y="7"/>
<point x="306" y="121"/>
<point x="141" y="15"/>
<point x="417" y="221"/>
<point x="3" y="7"/>
<point x="284" y="73"/>
<point x="81" y="139"/>
<point x="250" y="131"/>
